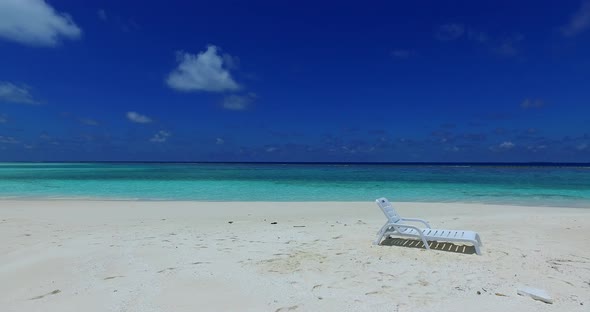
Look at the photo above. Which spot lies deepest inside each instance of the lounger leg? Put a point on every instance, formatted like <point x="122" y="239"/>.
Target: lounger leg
<point x="425" y="243"/>
<point x="478" y="239"/>
<point x="477" y="250"/>
<point x="380" y="234"/>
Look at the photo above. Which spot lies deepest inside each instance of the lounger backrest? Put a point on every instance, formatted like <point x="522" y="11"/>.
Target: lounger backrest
<point x="387" y="209"/>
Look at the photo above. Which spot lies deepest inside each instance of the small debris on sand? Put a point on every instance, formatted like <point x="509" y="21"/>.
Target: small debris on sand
<point x="57" y="291"/>
<point x="535" y="293"/>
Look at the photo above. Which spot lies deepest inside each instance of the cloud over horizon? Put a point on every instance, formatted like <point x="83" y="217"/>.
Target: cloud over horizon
<point x="448" y="32"/>
<point x="88" y="122"/>
<point x="206" y="71"/>
<point x="532" y="103"/>
<point x="102" y="14"/>
<point x="506" y="145"/>
<point x="35" y="23"/>
<point x="502" y="147"/>
<point x="238" y="102"/>
<point x="138" y="118"/>
<point x="504" y="45"/>
<point x="402" y="53"/>
<point x="161" y="136"/>
<point x="508" y="46"/>
<point x="12" y="93"/>
<point x="579" y="22"/>
<point x="8" y="140"/>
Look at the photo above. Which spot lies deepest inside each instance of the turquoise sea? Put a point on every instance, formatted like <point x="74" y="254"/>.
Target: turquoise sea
<point x="514" y="184"/>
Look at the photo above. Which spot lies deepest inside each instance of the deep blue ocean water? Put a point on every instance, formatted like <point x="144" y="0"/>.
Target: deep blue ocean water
<point x="503" y="184"/>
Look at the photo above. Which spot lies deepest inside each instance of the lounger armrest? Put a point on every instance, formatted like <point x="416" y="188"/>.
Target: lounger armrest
<point x="417" y="220"/>
<point x="419" y="230"/>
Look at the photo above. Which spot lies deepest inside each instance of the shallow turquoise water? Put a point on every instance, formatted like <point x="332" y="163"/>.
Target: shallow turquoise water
<point x="542" y="185"/>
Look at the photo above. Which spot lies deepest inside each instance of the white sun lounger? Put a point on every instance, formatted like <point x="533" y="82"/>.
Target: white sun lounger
<point x="396" y="226"/>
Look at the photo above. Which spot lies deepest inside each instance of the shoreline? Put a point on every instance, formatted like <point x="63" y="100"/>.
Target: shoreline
<point x="582" y="204"/>
<point x="60" y="255"/>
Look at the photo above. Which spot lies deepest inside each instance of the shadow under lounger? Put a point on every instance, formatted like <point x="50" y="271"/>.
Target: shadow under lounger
<point x="444" y="236"/>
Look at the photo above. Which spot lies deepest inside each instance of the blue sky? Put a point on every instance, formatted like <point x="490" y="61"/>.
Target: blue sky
<point x="295" y="80"/>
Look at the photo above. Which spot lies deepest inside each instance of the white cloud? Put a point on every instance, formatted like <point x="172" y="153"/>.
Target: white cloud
<point x="125" y="24"/>
<point x="89" y="122"/>
<point x="508" y="46"/>
<point x="582" y="146"/>
<point x="130" y="25"/>
<point x="532" y="103"/>
<point x="238" y="102"/>
<point x="502" y="147"/>
<point x="3" y="119"/>
<point x="138" y="118"/>
<point x="161" y="136"/>
<point x="536" y="148"/>
<point x="402" y="53"/>
<point x="102" y="14"/>
<point x="506" y="145"/>
<point x="8" y="140"/>
<point x="231" y="62"/>
<point x="203" y="72"/>
<point x="35" y="23"/>
<point x="12" y="93"/>
<point x="478" y="36"/>
<point x="449" y="32"/>
<point x="219" y="141"/>
<point x="579" y="22"/>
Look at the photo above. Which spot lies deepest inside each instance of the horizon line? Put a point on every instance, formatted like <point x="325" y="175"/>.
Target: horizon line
<point x="469" y="163"/>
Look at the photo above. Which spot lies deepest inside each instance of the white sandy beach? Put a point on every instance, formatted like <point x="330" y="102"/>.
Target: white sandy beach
<point x="184" y="256"/>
